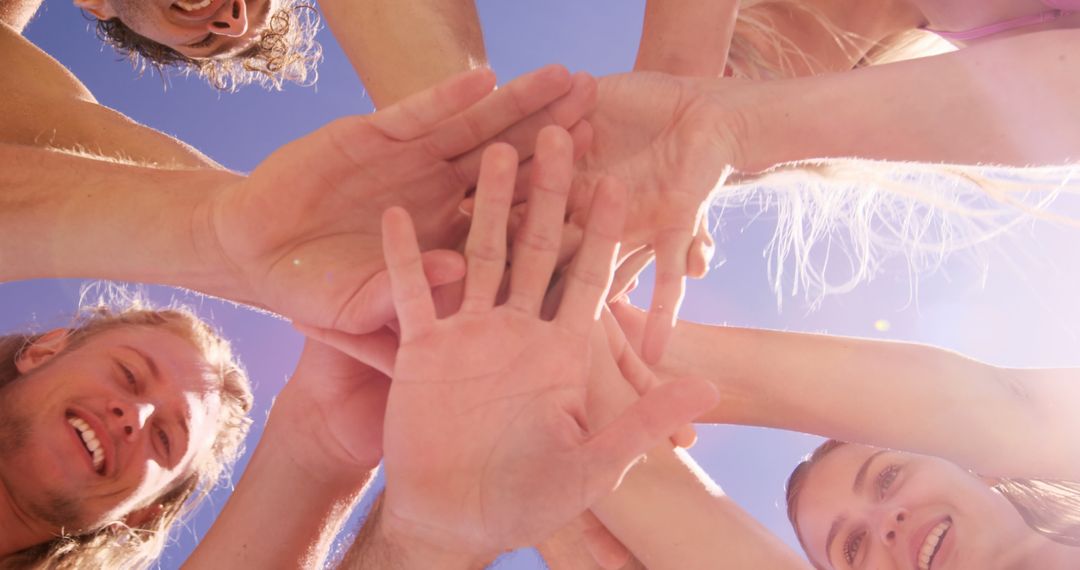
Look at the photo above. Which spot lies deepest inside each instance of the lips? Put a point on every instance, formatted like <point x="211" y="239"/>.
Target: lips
<point x="77" y="419"/>
<point x="203" y="10"/>
<point x="927" y="544"/>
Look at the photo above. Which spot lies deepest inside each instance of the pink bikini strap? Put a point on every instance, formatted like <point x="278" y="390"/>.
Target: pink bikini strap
<point x="996" y="28"/>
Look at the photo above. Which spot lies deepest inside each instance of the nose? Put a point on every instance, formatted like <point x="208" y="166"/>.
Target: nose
<point x="891" y="521"/>
<point x="231" y="20"/>
<point x="128" y="418"/>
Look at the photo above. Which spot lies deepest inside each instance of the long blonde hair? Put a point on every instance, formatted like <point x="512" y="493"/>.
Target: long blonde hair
<point x="116" y="545"/>
<point x="861" y="213"/>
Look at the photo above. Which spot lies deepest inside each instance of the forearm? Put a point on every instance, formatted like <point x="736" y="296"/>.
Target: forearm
<point x="378" y="547"/>
<point x="1008" y="102"/>
<point x="400" y="48"/>
<point x="672" y="516"/>
<point x="890" y="394"/>
<point x="686" y="37"/>
<point x="282" y="514"/>
<point x="70" y="216"/>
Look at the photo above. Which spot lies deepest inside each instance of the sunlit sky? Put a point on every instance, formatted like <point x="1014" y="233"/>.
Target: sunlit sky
<point x="1021" y="311"/>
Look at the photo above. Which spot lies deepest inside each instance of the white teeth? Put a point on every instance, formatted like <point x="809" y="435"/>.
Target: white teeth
<point x="191" y="6"/>
<point x="90" y="440"/>
<point x="929" y="547"/>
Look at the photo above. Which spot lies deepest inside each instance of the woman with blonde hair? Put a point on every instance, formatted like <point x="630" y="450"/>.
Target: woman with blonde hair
<point x="954" y="463"/>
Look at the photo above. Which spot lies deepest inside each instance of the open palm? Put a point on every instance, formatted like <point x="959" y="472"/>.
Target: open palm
<point x="487" y="443"/>
<point x="301" y="232"/>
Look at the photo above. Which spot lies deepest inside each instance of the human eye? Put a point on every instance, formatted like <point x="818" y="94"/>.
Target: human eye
<point x="886" y="478"/>
<point x="164" y="439"/>
<point x="851" y="546"/>
<point x="129" y="377"/>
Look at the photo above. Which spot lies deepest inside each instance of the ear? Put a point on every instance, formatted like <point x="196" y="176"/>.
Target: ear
<point x="101" y="9"/>
<point x="42" y="350"/>
<point x="140" y="517"/>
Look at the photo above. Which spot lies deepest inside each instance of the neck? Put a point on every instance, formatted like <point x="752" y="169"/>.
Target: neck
<point x="18" y="531"/>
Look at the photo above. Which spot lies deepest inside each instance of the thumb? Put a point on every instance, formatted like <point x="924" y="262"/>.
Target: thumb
<point x="372" y="307"/>
<point x="377" y="350"/>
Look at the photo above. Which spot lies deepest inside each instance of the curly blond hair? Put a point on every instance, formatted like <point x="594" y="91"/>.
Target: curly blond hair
<point x="285" y="51"/>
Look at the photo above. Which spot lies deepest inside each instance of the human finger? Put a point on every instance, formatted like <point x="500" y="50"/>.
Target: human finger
<point x="485" y="248"/>
<point x="421" y="112"/>
<point x="373" y="305"/>
<point x="376" y="349"/>
<point x="507" y="106"/>
<point x="669" y="287"/>
<point x="581" y="133"/>
<point x="536" y="245"/>
<point x="638" y="374"/>
<point x="701" y="250"/>
<point x="589" y="275"/>
<point x="411" y="291"/>
<point x="648" y="421"/>
<point x="626" y="275"/>
<point x="567" y="112"/>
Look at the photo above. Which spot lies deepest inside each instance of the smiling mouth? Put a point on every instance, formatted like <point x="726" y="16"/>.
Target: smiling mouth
<point x="90" y="442"/>
<point x="932" y="544"/>
<point x="191" y="6"/>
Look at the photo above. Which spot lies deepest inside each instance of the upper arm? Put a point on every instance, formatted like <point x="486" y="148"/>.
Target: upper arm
<point x="399" y="48"/>
<point x="45" y="105"/>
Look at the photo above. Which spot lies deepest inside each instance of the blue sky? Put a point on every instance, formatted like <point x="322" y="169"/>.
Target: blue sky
<point x="1021" y="311"/>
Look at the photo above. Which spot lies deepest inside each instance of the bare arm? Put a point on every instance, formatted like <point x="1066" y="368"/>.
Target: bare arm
<point x="378" y="548"/>
<point x="120" y="223"/>
<point x="18" y="13"/>
<point x="667" y="511"/>
<point x="1004" y="422"/>
<point x="282" y="514"/>
<point x="400" y="48"/>
<point x="44" y="105"/>
<point x="686" y="37"/>
<point x="1007" y="102"/>
<point x="320" y="449"/>
<point x="671" y="515"/>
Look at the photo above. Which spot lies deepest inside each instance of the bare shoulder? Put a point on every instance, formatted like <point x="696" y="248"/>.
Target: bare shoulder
<point x="45" y="105"/>
<point x="30" y="71"/>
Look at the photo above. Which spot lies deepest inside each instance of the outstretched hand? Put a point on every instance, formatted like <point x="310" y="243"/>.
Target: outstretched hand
<point x="664" y="137"/>
<point x="487" y="443"/>
<point x="300" y="234"/>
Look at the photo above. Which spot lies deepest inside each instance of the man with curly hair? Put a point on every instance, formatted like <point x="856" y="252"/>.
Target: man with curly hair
<point x="228" y="42"/>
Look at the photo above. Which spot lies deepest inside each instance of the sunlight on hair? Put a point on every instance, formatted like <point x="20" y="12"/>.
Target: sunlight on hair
<point x="839" y="221"/>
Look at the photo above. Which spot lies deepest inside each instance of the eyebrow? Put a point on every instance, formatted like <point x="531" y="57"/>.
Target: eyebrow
<point x="856" y="488"/>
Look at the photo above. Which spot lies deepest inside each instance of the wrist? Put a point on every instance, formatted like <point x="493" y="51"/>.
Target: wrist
<point x="389" y="542"/>
<point x="306" y="451"/>
<point x="222" y="278"/>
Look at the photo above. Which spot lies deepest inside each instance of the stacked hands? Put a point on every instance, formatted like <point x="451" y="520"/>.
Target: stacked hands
<point x="498" y="422"/>
<point x="319" y="262"/>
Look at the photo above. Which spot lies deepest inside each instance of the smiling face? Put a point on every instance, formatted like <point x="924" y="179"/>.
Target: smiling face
<point x="95" y="432"/>
<point x="865" y="507"/>
<point x="197" y="29"/>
